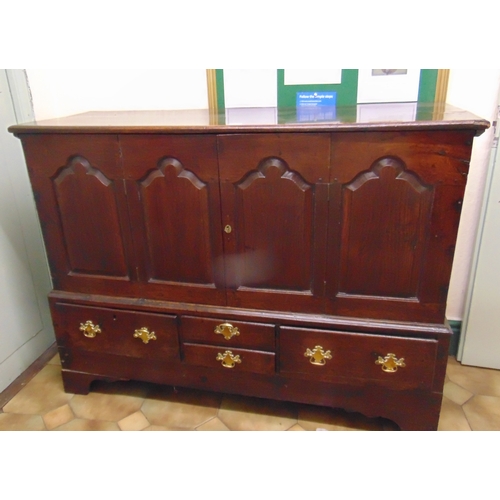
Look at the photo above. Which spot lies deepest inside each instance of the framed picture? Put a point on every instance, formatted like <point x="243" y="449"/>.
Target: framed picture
<point x="388" y="85"/>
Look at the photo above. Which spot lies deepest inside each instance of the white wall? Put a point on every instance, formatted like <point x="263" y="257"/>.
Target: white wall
<point x="477" y="92"/>
<point x="58" y="92"/>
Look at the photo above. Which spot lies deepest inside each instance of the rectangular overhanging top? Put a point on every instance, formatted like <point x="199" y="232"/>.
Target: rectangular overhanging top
<point x="427" y="116"/>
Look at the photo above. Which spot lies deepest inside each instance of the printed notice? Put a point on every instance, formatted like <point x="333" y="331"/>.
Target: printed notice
<point x="316" y="106"/>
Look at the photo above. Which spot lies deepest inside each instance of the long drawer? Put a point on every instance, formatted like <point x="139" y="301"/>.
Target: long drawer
<point x="334" y="356"/>
<point x="114" y="331"/>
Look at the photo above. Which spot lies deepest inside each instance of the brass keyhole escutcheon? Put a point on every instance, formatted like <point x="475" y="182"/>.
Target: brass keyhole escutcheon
<point x="228" y="229"/>
<point x="318" y="356"/>
<point x="228" y="359"/>
<point x="390" y="363"/>
<point x="227" y="330"/>
<point x="89" y="329"/>
<point x="144" y="334"/>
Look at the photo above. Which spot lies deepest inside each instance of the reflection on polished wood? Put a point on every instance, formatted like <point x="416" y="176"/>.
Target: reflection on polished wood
<point x="201" y="120"/>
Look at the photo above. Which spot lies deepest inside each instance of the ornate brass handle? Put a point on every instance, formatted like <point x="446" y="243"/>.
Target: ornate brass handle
<point x="227" y="330"/>
<point x="144" y="334"/>
<point x="317" y="356"/>
<point x="390" y="363"/>
<point x="89" y="329"/>
<point x="228" y="359"/>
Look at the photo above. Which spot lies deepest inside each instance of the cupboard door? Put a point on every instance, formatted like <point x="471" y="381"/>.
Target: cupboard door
<point x="394" y="210"/>
<point x="78" y="188"/>
<point x="174" y="200"/>
<point x="274" y="205"/>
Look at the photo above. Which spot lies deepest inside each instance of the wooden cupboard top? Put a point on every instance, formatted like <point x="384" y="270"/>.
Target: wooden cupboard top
<point x="392" y="116"/>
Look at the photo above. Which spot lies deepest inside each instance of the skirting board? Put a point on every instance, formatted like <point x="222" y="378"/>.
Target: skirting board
<point x="456" y="327"/>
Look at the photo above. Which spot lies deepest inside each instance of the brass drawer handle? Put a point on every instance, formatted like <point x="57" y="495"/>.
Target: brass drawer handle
<point x="318" y="356"/>
<point x="228" y="229"/>
<point x="144" y="334"/>
<point x="89" y="329"/>
<point x="227" y="330"/>
<point x="390" y="363"/>
<point x="228" y="359"/>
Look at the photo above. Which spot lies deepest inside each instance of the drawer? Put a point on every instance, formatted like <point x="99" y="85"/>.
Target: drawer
<point x="118" y="332"/>
<point x="306" y="353"/>
<point x="229" y="360"/>
<point x="230" y="333"/>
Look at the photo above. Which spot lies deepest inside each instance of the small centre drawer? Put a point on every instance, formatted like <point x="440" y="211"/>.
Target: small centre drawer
<point x="114" y="331"/>
<point x="332" y="356"/>
<point x="242" y="334"/>
<point x="229" y="360"/>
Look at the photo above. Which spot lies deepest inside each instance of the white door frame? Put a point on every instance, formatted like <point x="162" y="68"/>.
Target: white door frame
<point x="480" y="339"/>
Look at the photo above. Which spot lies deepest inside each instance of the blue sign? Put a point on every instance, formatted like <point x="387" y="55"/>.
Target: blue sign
<point x="316" y="106"/>
<point x="316" y="99"/>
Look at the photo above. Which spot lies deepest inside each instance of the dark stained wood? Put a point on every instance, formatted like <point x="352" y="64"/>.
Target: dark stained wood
<point x="429" y="116"/>
<point x="269" y="259"/>
<point x="174" y="203"/>
<point x="410" y="409"/>
<point x="339" y="235"/>
<point x="393" y="252"/>
<point x="409" y="329"/>
<point x="354" y="355"/>
<point x="198" y="330"/>
<point x="78" y="188"/>
<point x="259" y="362"/>
<point x="117" y="331"/>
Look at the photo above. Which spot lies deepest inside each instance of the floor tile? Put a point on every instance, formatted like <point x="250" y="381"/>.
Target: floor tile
<point x="456" y="393"/>
<point x="253" y="414"/>
<point x="58" y="417"/>
<point x="296" y="427"/>
<point x="56" y="360"/>
<point x="213" y="424"/>
<point x="180" y="409"/>
<point x="135" y="422"/>
<point x="452" y="417"/>
<point x="109" y="407"/>
<point x="15" y="422"/>
<point x="480" y="381"/>
<point x="88" y="425"/>
<point x="156" y="428"/>
<point x="483" y="413"/>
<point x="42" y="393"/>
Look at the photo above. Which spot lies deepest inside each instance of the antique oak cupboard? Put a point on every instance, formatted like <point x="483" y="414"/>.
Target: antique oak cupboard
<point x="298" y="261"/>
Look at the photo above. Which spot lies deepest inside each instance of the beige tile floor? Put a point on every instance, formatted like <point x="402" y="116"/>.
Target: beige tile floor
<point x="471" y="402"/>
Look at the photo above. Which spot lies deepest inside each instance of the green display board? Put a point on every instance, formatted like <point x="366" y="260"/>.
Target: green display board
<point x="347" y="90"/>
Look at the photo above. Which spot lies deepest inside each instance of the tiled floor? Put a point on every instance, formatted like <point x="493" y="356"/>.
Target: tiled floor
<point x="471" y="402"/>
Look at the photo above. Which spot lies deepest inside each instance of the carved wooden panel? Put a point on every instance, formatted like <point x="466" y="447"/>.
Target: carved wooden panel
<point x="174" y="203"/>
<point x="80" y="196"/>
<point x="273" y="251"/>
<point x="87" y="207"/>
<point x="177" y="221"/>
<point x="385" y="226"/>
<point x="395" y="202"/>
